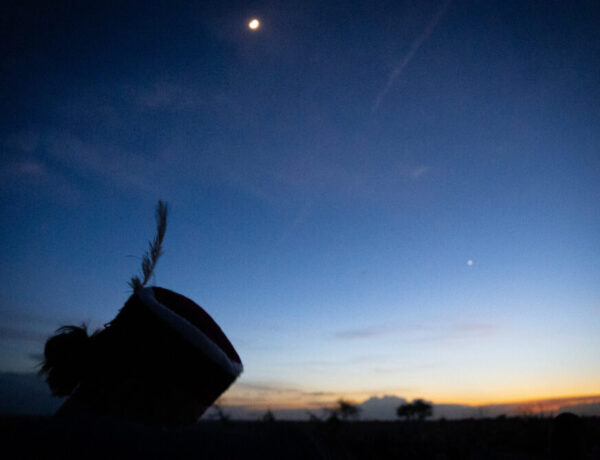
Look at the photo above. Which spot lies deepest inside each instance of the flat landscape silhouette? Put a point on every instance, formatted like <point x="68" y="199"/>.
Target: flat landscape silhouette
<point x="503" y="438"/>
<point x="383" y="229"/>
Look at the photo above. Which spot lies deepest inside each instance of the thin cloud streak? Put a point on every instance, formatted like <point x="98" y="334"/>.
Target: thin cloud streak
<point x="423" y="332"/>
<point x="364" y="333"/>
<point x="411" y="53"/>
<point x="458" y="332"/>
<point x="418" y="172"/>
<point x="11" y="333"/>
<point x="259" y="396"/>
<point x="121" y="168"/>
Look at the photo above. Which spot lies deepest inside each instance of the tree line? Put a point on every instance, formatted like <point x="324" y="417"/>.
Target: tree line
<point x="418" y="409"/>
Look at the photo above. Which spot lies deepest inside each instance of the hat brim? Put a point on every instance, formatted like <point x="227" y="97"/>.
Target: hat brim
<point x="190" y="332"/>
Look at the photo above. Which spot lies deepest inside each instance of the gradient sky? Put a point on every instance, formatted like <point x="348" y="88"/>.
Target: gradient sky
<point x="330" y="177"/>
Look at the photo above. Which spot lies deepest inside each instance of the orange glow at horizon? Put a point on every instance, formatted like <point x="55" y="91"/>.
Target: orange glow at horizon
<point x="264" y="397"/>
<point x="533" y="406"/>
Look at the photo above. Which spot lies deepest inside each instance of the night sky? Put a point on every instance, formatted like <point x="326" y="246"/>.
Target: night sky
<point x="370" y="198"/>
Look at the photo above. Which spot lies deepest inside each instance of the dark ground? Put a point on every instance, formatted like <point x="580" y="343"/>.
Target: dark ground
<point x="511" y="438"/>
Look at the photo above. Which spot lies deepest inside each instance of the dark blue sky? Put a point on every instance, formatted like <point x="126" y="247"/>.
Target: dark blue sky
<point x="330" y="176"/>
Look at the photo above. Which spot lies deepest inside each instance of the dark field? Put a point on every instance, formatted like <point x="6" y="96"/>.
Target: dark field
<point x="518" y="438"/>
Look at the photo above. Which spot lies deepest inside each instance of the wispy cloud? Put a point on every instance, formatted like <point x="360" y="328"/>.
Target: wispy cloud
<point x="29" y="169"/>
<point x="19" y="160"/>
<point x="25" y="317"/>
<point x="477" y="329"/>
<point x="411" y="53"/>
<point x="421" y="332"/>
<point x="404" y="369"/>
<point x="23" y="325"/>
<point x="12" y="333"/>
<point x="416" y="173"/>
<point x="364" y="332"/>
<point x="270" y="389"/>
<point x="24" y="141"/>
<point x="29" y="174"/>
<point x="32" y="168"/>
<point x="121" y="168"/>
<point x="456" y="332"/>
<point x="257" y="395"/>
<point x="308" y="174"/>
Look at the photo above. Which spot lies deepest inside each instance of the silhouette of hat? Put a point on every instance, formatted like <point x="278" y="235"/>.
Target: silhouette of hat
<point x="162" y="358"/>
<point x="193" y="324"/>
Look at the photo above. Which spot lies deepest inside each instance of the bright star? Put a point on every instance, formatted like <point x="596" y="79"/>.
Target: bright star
<point x="254" y="24"/>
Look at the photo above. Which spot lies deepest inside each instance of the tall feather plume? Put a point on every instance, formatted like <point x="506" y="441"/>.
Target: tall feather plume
<point x="154" y="249"/>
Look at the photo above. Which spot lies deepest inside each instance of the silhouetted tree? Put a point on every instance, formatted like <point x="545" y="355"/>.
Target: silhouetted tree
<point x="314" y="418"/>
<point x="405" y="411"/>
<point x="423" y="409"/>
<point x="345" y="409"/>
<point x="418" y="409"/>
<point x="268" y="416"/>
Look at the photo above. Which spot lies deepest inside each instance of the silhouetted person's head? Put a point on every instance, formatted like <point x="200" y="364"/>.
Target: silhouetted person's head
<point x="162" y="359"/>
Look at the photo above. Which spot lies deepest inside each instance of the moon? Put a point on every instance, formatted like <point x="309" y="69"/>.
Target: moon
<point x="254" y="24"/>
<point x="469" y="262"/>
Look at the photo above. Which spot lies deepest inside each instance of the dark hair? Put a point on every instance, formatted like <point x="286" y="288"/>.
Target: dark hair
<point x="66" y="357"/>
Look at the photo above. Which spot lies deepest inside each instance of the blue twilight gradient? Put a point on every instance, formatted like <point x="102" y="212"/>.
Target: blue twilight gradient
<point x="327" y="233"/>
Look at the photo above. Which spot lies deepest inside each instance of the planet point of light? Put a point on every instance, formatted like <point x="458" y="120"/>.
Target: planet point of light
<point x="254" y="24"/>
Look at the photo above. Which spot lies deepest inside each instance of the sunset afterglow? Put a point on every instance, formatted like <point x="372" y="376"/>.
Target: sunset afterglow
<point x="396" y="200"/>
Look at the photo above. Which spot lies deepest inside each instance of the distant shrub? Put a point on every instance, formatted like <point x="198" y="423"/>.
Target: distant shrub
<point x="418" y="409"/>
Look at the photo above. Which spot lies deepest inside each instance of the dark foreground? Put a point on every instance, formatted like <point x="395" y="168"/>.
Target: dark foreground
<point x="513" y="438"/>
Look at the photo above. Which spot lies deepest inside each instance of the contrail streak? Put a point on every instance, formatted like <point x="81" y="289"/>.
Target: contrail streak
<point x="411" y="52"/>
